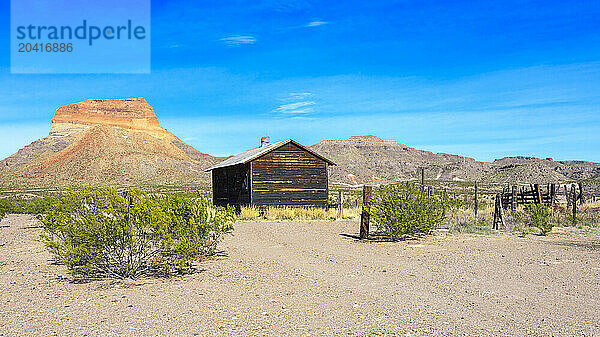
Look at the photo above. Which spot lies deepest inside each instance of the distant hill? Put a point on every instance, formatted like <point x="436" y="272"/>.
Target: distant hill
<point x="371" y="159"/>
<point x="530" y="169"/>
<point x="106" y="142"/>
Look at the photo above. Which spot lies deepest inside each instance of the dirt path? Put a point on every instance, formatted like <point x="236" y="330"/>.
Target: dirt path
<point x="308" y="279"/>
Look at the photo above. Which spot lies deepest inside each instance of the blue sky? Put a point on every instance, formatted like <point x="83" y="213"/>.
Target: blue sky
<point x="480" y="79"/>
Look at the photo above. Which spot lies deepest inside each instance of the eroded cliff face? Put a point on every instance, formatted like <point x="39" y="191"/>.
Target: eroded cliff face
<point x="130" y="114"/>
<point x="106" y="142"/>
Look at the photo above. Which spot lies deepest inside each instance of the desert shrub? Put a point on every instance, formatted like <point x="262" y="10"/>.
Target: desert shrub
<point x="6" y="206"/>
<point x="99" y="233"/>
<point x="536" y="215"/>
<point x="38" y="206"/>
<point x="400" y="210"/>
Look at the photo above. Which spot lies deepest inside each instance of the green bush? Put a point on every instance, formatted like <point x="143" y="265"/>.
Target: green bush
<point x="38" y="206"/>
<point x="99" y="233"/>
<point x="400" y="210"/>
<point x="536" y="215"/>
<point x="6" y="206"/>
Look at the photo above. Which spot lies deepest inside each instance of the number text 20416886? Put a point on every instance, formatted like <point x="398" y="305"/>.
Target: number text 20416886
<point x="45" y="47"/>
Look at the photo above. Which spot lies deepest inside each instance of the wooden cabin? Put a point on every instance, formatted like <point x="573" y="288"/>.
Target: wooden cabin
<point x="279" y="174"/>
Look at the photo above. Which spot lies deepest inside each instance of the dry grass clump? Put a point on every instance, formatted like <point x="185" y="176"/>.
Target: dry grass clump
<point x="296" y="213"/>
<point x="591" y="205"/>
<point x="587" y="214"/>
<point x="462" y="220"/>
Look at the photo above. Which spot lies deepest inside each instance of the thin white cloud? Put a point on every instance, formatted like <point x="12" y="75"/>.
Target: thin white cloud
<point x="299" y="111"/>
<point x="295" y="109"/>
<point x="316" y="23"/>
<point x="238" y="40"/>
<point x="301" y="105"/>
<point x="286" y="108"/>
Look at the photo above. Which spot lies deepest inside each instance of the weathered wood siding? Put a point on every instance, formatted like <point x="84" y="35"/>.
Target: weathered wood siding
<point x="289" y="175"/>
<point x="231" y="185"/>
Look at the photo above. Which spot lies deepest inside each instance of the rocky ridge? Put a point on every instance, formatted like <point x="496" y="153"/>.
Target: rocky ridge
<point x="369" y="159"/>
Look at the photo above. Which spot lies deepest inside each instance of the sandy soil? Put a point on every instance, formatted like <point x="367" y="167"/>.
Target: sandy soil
<point x="312" y="279"/>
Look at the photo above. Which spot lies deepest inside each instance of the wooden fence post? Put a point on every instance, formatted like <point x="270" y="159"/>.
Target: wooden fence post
<point x="567" y="196"/>
<point x="538" y="194"/>
<point x="581" y="197"/>
<point x="513" y="204"/>
<point x="444" y="203"/>
<point x="552" y="194"/>
<point x="574" y="202"/>
<point x="498" y="213"/>
<point x="364" y="219"/>
<point x="522" y="195"/>
<point x="495" y="220"/>
<point x="501" y="212"/>
<point x="422" y="180"/>
<point x="340" y="212"/>
<point x="476" y="202"/>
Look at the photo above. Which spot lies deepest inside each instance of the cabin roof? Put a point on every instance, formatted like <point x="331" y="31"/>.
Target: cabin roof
<point x="250" y="155"/>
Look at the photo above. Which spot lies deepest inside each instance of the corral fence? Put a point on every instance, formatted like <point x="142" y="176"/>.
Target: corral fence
<point x="513" y="196"/>
<point x="510" y="198"/>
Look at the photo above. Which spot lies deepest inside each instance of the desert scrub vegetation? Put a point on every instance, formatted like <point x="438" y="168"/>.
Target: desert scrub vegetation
<point x="402" y="210"/>
<point x="526" y="217"/>
<point x="36" y="206"/>
<point x="535" y="215"/>
<point x="295" y="213"/>
<point x="588" y="214"/>
<point x="460" y="218"/>
<point x="99" y="233"/>
<point x="6" y="206"/>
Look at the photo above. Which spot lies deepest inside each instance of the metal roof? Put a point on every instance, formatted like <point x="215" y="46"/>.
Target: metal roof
<point x="256" y="152"/>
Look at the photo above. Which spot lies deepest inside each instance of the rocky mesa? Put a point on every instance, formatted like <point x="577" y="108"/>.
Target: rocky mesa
<point x="106" y="142"/>
<point x="130" y="114"/>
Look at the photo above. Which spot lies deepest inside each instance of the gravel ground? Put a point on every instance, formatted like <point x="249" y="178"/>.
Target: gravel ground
<point x="312" y="279"/>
